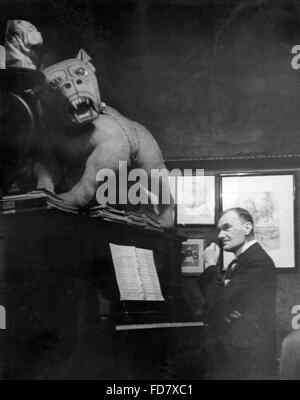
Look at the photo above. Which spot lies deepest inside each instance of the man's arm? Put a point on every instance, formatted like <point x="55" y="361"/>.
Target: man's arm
<point x="223" y="301"/>
<point x="211" y="282"/>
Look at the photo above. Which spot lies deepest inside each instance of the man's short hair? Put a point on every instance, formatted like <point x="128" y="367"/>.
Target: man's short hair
<point x="243" y="214"/>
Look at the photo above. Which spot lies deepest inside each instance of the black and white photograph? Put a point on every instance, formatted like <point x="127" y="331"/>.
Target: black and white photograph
<point x="195" y="200"/>
<point x="192" y="259"/>
<point x="149" y="192"/>
<point x="270" y="201"/>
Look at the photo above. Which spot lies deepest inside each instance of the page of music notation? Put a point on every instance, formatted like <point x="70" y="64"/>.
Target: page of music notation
<point x="148" y="274"/>
<point x="136" y="273"/>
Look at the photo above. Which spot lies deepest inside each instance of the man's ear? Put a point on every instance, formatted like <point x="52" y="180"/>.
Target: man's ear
<point x="86" y="59"/>
<point x="248" y="227"/>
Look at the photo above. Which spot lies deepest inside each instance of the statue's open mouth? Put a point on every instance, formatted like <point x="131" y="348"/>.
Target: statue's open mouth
<point x="83" y="110"/>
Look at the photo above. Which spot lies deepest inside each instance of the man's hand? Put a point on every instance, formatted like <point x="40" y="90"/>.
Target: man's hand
<point x="211" y="255"/>
<point x="234" y="315"/>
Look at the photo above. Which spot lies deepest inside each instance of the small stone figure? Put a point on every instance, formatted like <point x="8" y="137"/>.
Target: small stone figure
<point x="22" y="40"/>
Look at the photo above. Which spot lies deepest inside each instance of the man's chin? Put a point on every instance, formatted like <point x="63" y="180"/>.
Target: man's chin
<point x="228" y="248"/>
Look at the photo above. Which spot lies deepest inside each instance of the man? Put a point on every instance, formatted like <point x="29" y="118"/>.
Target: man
<point x="240" y="304"/>
<point x="290" y="357"/>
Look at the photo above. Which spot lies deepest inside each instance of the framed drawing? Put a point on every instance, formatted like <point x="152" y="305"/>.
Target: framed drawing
<point x="192" y="256"/>
<point x="195" y="200"/>
<point x="270" y="200"/>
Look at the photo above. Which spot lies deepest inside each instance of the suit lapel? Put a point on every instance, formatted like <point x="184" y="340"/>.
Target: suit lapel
<point x="244" y="257"/>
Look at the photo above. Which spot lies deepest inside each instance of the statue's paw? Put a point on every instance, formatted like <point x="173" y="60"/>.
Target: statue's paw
<point x="166" y="220"/>
<point x="72" y="199"/>
<point x="49" y="188"/>
<point x="67" y="198"/>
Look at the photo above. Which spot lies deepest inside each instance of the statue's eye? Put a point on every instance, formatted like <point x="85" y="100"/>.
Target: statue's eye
<point x="55" y="82"/>
<point x="81" y="71"/>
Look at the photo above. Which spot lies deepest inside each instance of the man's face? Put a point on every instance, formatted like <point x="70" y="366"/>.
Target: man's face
<point x="233" y="231"/>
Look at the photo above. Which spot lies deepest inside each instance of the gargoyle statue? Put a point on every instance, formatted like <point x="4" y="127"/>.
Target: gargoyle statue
<point x="83" y="136"/>
<point x="22" y="40"/>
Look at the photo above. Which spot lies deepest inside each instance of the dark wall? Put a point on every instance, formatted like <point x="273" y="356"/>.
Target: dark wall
<point x="206" y="77"/>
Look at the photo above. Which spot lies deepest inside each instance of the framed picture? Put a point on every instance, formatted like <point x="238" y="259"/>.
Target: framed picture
<point x="192" y="256"/>
<point x="195" y="200"/>
<point x="270" y="200"/>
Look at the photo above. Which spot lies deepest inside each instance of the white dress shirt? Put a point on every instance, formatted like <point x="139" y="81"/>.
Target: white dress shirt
<point x="245" y="247"/>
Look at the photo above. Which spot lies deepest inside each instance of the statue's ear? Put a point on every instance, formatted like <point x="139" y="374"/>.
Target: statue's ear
<point x="85" y="58"/>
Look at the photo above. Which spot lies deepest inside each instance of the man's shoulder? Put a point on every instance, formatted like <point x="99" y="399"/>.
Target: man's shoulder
<point x="257" y="255"/>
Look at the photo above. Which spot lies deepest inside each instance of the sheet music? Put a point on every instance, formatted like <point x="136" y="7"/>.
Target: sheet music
<point x="136" y="273"/>
<point x="148" y="274"/>
<point x="128" y="279"/>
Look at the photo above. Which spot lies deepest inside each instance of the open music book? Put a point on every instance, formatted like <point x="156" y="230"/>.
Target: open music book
<point x="136" y="273"/>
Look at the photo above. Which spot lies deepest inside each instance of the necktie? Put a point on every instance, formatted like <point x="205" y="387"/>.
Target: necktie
<point x="231" y="267"/>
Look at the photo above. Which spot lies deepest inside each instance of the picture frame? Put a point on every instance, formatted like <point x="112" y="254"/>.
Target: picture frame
<point x="270" y="199"/>
<point x="195" y="200"/>
<point x="192" y="256"/>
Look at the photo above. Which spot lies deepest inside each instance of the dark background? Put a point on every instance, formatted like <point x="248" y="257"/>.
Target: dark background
<point x="208" y="78"/>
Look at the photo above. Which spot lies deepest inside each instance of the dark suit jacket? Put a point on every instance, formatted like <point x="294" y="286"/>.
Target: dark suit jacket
<point x="248" y="342"/>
